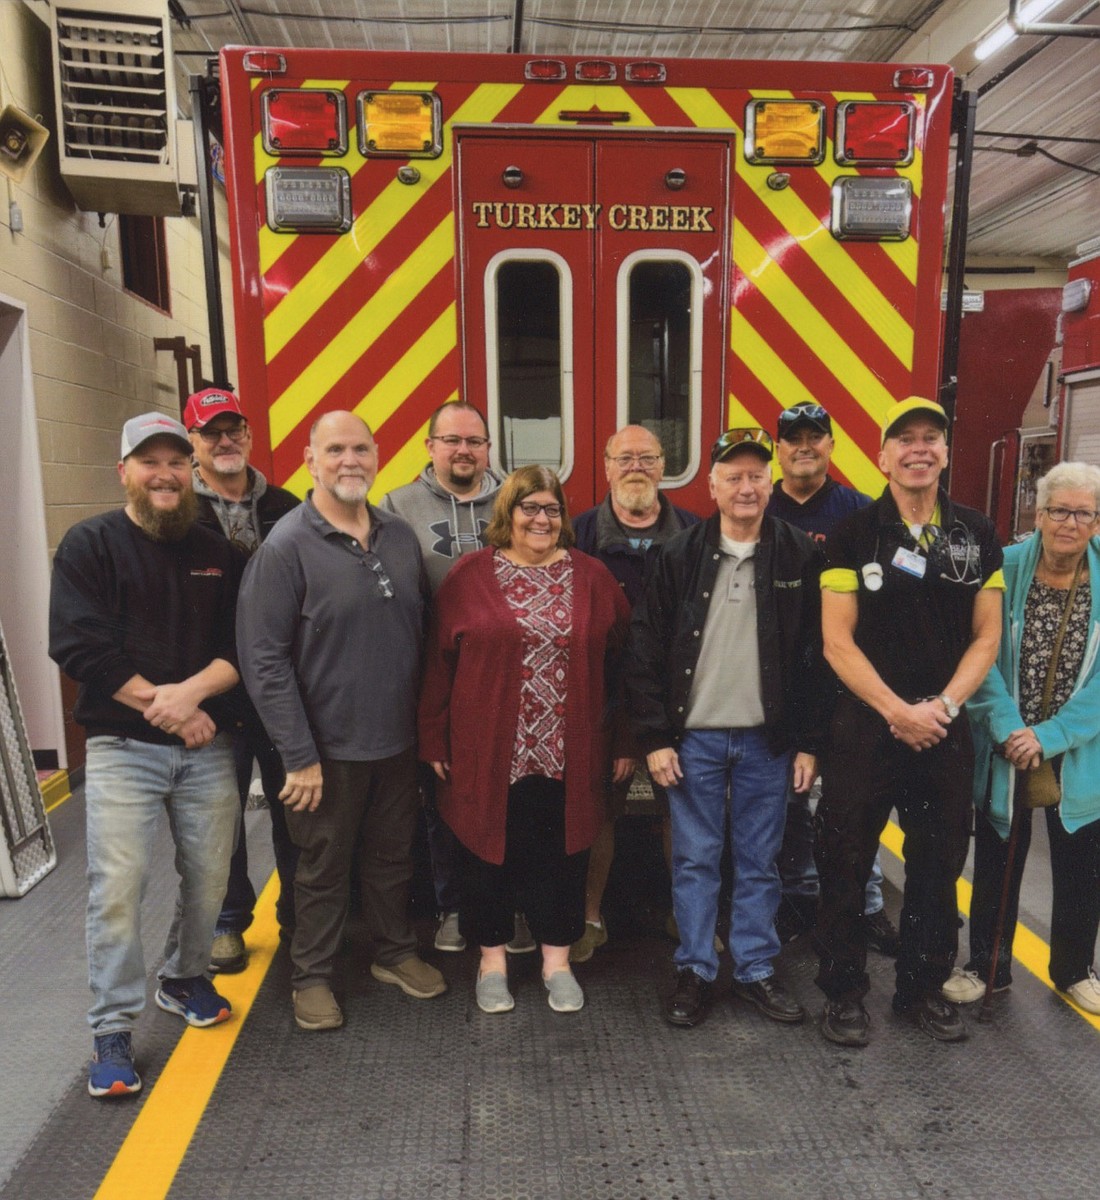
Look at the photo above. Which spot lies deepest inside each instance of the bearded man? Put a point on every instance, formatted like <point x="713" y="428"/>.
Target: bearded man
<point x="625" y="533"/>
<point x="142" y="617"/>
<point x="331" y="628"/>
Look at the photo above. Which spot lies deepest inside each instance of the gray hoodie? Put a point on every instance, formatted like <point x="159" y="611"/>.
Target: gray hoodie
<point x="447" y="526"/>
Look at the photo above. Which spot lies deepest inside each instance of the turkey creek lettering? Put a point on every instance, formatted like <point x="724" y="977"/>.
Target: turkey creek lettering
<point x="673" y="218"/>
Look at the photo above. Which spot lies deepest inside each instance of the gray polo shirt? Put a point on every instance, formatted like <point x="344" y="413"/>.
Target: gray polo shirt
<point x="331" y="661"/>
<point x="726" y="692"/>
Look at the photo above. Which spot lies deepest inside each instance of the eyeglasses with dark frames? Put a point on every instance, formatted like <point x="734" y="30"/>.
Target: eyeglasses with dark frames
<point x="530" y="509"/>
<point x="235" y="433"/>
<point x="1083" y="516"/>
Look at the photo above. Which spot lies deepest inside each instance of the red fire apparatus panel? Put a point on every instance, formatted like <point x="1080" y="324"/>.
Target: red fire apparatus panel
<point x="571" y="245"/>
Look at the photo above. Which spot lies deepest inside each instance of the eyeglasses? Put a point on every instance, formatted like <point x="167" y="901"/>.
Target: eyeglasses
<point x="452" y="441"/>
<point x="1083" y="516"/>
<point x="749" y="435"/>
<point x="530" y="509"/>
<point x="803" y="412"/>
<point x="385" y="583"/>
<point x="235" y="433"/>
<point x="646" y="461"/>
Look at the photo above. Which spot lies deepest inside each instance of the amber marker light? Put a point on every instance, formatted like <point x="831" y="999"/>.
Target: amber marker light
<point x="789" y="131"/>
<point x="400" y="123"/>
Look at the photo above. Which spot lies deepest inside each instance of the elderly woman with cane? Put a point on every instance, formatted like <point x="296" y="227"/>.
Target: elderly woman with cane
<point x="514" y="721"/>
<point x="1036" y="723"/>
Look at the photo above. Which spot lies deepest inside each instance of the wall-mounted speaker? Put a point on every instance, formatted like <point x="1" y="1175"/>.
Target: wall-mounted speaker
<point x="21" y="142"/>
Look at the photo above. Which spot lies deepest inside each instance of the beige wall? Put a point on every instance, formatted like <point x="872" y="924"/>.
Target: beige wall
<point x="91" y="343"/>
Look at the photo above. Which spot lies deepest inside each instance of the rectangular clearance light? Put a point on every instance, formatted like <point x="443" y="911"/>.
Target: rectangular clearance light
<point x="872" y="210"/>
<point x="400" y="124"/>
<point x="304" y="121"/>
<point x="874" y="133"/>
<point x="785" y="131"/>
<point x="308" y="199"/>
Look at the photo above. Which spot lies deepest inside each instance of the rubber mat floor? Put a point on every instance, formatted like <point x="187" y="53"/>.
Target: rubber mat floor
<point x="434" y="1099"/>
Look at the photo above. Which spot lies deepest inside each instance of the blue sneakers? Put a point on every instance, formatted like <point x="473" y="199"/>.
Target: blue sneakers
<point x="193" y="999"/>
<point x="111" y="1071"/>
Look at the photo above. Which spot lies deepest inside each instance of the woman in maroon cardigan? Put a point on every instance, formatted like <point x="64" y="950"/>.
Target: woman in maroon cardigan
<point x="514" y="719"/>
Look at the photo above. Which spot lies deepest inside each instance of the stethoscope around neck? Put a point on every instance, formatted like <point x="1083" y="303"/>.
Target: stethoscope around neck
<point x="873" y="575"/>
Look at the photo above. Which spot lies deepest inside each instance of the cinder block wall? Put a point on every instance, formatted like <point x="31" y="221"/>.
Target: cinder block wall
<point x="91" y="342"/>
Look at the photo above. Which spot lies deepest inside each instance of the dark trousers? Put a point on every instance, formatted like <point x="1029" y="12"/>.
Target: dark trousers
<point x="867" y="773"/>
<point x="1075" y="903"/>
<point x="536" y="878"/>
<point x="444" y="849"/>
<point x="375" y="802"/>
<point x="240" y="895"/>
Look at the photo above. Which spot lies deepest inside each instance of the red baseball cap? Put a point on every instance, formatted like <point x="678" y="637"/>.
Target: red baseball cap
<point x="210" y="403"/>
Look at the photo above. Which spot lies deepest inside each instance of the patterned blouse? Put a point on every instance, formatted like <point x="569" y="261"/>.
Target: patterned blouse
<point x="541" y="600"/>
<point x="1042" y="618"/>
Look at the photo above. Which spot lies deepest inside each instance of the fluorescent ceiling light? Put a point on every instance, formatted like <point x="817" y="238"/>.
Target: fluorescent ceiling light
<point x="1004" y="33"/>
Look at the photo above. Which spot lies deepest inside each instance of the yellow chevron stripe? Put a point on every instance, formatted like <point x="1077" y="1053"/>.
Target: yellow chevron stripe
<point x="586" y="96"/>
<point x="410" y="370"/>
<point x="391" y="207"/>
<point x="274" y="245"/>
<point x="777" y="377"/>
<point x="805" y="227"/>
<point x="836" y="355"/>
<point x="333" y="360"/>
<point x="404" y="467"/>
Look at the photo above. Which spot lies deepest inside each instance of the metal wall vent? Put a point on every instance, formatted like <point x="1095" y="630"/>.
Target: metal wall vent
<point x="116" y="106"/>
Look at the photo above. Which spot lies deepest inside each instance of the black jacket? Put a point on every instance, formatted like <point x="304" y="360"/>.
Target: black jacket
<point x="667" y="629"/>
<point x="599" y="534"/>
<point x="269" y="503"/>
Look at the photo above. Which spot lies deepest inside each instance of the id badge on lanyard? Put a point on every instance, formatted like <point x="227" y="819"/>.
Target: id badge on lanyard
<point x="910" y="562"/>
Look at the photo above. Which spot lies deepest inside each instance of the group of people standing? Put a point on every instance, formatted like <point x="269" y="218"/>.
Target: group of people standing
<point x="466" y="645"/>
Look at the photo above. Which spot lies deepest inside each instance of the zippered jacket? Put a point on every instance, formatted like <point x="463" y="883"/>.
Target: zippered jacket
<point x="667" y="631"/>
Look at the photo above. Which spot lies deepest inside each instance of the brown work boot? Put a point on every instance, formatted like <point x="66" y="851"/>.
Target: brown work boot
<point x="413" y="976"/>
<point x="316" y="1008"/>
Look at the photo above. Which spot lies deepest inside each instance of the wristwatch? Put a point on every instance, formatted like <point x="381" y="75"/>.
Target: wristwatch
<point x="949" y="704"/>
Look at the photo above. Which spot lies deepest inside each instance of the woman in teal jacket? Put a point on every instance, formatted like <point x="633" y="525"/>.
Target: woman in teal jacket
<point x="1010" y="738"/>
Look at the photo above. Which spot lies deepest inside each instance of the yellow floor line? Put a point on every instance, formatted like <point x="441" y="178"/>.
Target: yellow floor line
<point x="1028" y="949"/>
<point x="150" y="1156"/>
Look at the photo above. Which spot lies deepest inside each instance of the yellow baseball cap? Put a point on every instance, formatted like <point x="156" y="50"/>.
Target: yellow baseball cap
<point x="904" y="408"/>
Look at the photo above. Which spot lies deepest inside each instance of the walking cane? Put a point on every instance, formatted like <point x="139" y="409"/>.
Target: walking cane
<point x="1019" y="811"/>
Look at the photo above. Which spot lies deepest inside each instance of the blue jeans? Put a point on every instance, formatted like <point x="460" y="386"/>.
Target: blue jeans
<point x="734" y="764"/>
<point x="127" y="784"/>
<point x="797" y="868"/>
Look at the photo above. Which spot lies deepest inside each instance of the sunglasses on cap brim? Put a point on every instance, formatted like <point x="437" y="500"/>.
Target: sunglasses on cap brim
<point x="803" y="412"/>
<point x="747" y="436"/>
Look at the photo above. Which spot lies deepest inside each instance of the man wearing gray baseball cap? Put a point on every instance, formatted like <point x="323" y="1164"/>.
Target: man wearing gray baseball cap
<point x="142" y="611"/>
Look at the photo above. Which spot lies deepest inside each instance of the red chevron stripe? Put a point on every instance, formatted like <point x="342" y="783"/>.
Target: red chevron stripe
<point x="349" y="297"/>
<point x="825" y="293"/>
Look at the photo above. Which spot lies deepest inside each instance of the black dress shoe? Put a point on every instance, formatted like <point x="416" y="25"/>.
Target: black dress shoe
<point x="938" y="1018"/>
<point x="795" y="917"/>
<point x="772" y="998"/>
<point x="845" y="1022"/>
<point x="688" y="1004"/>
<point x="881" y="934"/>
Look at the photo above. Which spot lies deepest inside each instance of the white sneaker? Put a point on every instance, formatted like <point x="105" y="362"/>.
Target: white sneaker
<point x="1086" y="993"/>
<point x="447" y="936"/>
<point x="964" y="987"/>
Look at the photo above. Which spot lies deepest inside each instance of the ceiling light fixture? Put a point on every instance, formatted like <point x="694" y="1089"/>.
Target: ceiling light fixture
<point x="1004" y="33"/>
